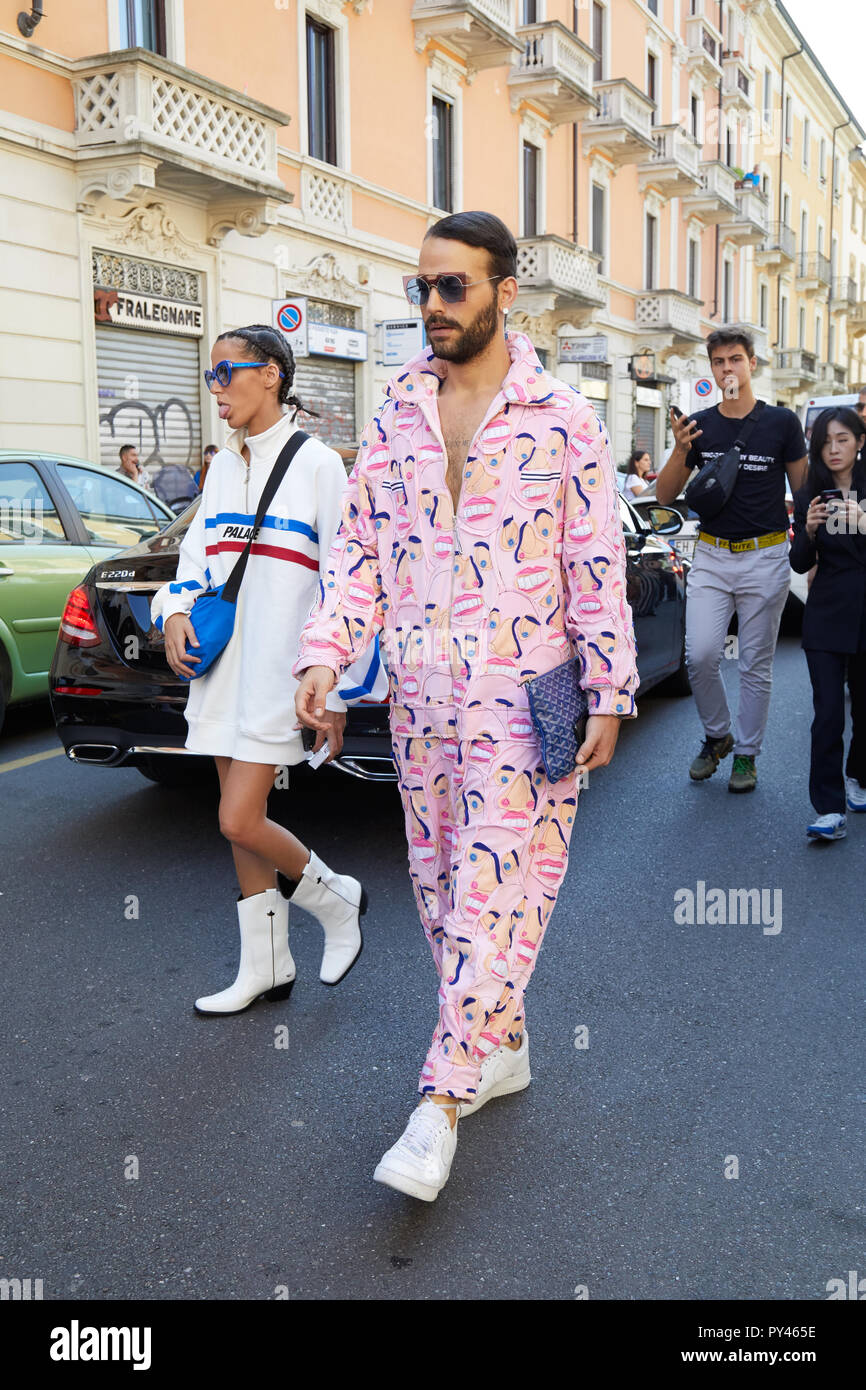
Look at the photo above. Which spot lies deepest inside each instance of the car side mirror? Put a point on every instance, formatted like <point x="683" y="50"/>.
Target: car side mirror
<point x="665" y="521"/>
<point x="635" y="540"/>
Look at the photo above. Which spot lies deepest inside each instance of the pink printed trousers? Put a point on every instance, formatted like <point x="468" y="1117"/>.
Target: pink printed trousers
<point x="488" y="842"/>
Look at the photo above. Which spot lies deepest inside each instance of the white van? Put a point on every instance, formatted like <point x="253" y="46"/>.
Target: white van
<point x="812" y="409"/>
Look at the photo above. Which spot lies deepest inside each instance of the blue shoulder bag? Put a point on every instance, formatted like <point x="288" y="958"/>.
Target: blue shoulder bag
<point x="213" y="613"/>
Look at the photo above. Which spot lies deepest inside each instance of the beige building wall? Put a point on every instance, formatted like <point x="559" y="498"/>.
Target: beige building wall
<point x="261" y="219"/>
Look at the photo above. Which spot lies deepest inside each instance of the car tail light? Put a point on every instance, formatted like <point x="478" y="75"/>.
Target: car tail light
<point x="77" y="626"/>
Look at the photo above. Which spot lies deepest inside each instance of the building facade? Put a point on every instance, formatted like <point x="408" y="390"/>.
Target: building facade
<point x="165" y="175"/>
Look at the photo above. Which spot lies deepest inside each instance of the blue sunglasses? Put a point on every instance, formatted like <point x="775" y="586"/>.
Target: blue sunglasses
<point x="222" y="372"/>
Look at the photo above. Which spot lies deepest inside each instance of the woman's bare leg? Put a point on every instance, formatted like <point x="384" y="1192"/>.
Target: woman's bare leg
<point x="258" y="844"/>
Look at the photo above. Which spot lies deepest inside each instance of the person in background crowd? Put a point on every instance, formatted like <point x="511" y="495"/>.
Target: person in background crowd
<point x="832" y="534"/>
<point x="130" y="465"/>
<point x="639" y="466"/>
<point x="199" y="477"/>
<point x="740" y="561"/>
<point x="860" y="406"/>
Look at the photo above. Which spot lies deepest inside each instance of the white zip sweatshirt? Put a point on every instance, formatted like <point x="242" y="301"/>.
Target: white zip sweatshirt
<point x="244" y="706"/>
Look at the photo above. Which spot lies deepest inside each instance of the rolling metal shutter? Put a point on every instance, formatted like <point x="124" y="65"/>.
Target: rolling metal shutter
<point x="149" y="396"/>
<point x="599" y="406"/>
<point x="329" y="388"/>
<point x="645" y="429"/>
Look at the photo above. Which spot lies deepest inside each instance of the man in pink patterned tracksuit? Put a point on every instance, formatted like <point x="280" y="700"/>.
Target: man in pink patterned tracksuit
<point x="481" y="537"/>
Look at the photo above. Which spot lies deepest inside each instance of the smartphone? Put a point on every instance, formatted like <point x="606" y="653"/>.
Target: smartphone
<point x="832" y="494"/>
<point x="676" y="412"/>
<point x="308" y="738"/>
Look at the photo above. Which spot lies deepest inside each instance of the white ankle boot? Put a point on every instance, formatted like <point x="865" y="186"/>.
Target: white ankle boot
<point x="337" y="902"/>
<point x="266" y="962"/>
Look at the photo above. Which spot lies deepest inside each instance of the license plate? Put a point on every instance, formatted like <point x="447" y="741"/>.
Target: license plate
<point x="686" y="547"/>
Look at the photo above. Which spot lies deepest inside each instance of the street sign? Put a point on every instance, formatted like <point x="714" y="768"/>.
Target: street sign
<point x="329" y="340"/>
<point x="702" y="392"/>
<point x="643" y="366"/>
<point x="290" y="317"/>
<point x="402" y="339"/>
<point x="583" y="349"/>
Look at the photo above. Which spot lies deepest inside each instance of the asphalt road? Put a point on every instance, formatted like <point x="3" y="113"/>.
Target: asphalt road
<point x="707" y="1044"/>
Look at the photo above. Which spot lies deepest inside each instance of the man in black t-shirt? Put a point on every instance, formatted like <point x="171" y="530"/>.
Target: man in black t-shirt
<point x="741" y="558"/>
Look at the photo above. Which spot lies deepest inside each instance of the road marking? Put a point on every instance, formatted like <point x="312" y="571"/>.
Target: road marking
<point x="34" y="758"/>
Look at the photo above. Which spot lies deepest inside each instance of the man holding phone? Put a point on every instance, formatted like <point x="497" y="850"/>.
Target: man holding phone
<point x="740" y="562"/>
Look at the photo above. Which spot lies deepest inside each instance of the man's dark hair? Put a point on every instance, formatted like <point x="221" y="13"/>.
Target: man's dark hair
<point x="819" y="476"/>
<point x="126" y="449"/>
<point x="480" y="229"/>
<point x="729" y="337"/>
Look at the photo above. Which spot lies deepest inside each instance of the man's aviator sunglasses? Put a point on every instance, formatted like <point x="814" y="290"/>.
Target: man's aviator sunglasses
<point x="451" y="288"/>
<point x="222" y="372"/>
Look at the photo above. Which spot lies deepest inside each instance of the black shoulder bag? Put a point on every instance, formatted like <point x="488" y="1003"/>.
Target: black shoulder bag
<point x="713" y="487"/>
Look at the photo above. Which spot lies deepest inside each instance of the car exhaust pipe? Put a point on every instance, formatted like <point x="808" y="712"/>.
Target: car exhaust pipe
<point x="105" y="753"/>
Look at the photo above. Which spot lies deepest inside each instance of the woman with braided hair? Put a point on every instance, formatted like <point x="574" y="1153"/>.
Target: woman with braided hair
<point x="241" y="710"/>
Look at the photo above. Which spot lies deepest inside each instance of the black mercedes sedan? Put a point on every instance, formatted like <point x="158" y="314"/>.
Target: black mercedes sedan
<point x="117" y="703"/>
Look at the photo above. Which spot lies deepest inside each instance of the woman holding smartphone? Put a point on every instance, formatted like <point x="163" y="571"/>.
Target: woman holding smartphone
<point x="241" y="710"/>
<point x="830" y="531"/>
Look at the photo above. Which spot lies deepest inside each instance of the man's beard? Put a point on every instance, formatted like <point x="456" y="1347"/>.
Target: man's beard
<point x="470" y="341"/>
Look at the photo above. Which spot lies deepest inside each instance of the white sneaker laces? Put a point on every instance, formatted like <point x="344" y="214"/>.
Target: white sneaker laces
<point x="424" y="1129"/>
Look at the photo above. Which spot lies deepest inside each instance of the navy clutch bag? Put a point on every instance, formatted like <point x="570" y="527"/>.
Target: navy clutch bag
<point x="559" y="710"/>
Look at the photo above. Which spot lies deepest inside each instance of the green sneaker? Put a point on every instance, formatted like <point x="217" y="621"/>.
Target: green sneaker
<point x="744" y="777"/>
<point x="711" y="754"/>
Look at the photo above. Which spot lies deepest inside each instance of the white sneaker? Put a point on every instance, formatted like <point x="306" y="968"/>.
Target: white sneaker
<point x="420" y="1161"/>
<point x="855" y="795"/>
<point x="830" y="827"/>
<point x="505" y="1071"/>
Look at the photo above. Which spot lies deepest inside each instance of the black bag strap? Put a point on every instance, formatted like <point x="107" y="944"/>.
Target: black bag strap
<point x="750" y="423"/>
<point x="278" y="472"/>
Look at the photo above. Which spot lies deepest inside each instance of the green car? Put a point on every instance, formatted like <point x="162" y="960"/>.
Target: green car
<point x="58" y="516"/>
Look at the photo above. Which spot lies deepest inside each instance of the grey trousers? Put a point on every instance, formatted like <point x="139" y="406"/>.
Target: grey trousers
<point x="755" y="583"/>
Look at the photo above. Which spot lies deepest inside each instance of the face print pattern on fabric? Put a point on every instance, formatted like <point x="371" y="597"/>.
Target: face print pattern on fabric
<point x="533" y="559"/>
<point x="488" y="849"/>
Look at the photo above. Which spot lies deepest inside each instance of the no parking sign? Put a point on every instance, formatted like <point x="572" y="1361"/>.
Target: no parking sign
<point x="290" y="317"/>
<point x="703" y="393"/>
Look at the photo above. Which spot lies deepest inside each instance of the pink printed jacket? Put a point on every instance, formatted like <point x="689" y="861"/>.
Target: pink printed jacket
<point x="470" y="605"/>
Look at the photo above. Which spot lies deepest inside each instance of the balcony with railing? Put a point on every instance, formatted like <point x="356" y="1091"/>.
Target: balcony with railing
<point x="669" y="312"/>
<point x="750" y="225"/>
<point x="673" y="166"/>
<point x="480" y="31"/>
<point x="779" y="245"/>
<point x="857" y="316"/>
<point x="717" y="199"/>
<point x="795" y="367"/>
<point x="738" y="83"/>
<point x="622" y="127"/>
<point x="833" y="377"/>
<point x="556" y="274"/>
<point x="844" y="296"/>
<point x="704" y="41"/>
<point x="813" y="272"/>
<point x="554" y="72"/>
<point x="143" y="122"/>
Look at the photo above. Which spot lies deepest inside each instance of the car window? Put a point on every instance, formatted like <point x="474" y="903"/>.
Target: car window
<point x="28" y="515"/>
<point x="627" y="517"/>
<point x="112" y="512"/>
